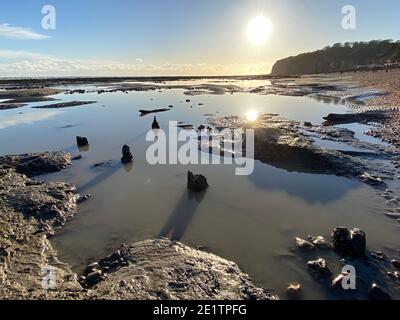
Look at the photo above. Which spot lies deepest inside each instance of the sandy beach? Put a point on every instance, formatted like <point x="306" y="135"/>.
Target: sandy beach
<point x="390" y="83"/>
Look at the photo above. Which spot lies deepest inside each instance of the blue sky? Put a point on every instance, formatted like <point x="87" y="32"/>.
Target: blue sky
<point x="129" y="37"/>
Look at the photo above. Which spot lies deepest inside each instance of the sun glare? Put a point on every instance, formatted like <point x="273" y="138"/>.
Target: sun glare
<point x="252" y="115"/>
<point x="259" y="30"/>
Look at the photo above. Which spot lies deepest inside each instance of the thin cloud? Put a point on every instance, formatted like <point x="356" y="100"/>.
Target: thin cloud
<point x="25" y="64"/>
<point x="20" y="33"/>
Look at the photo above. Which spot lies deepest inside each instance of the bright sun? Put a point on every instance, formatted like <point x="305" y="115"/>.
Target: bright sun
<point x="259" y="30"/>
<point x="251" y="115"/>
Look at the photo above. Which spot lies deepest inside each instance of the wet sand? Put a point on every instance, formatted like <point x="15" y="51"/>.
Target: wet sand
<point x="390" y="83"/>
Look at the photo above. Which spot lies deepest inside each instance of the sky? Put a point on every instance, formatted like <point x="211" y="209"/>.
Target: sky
<point x="176" y="37"/>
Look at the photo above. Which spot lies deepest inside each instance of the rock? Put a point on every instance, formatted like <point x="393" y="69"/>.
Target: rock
<point x="294" y="290"/>
<point x="146" y="112"/>
<point x="197" y="182"/>
<point x="319" y="241"/>
<point x="349" y="242"/>
<point x="377" y="293"/>
<point x="187" y="100"/>
<point x="394" y="275"/>
<point x="320" y="267"/>
<point x="395" y="263"/>
<point x="362" y="117"/>
<point x="307" y="124"/>
<point x="127" y="156"/>
<point x="201" y="127"/>
<point x="392" y="215"/>
<point x="33" y="164"/>
<point x="83" y="198"/>
<point x="178" y="272"/>
<point x="370" y="179"/>
<point x="93" y="278"/>
<point x="82" y="141"/>
<point x="91" y="267"/>
<point x="155" y="124"/>
<point x="337" y="282"/>
<point x="31" y="212"/>
<point x="102" y="163"/>
<point x="304" y="245"/>
<point x="64" y="105"/>
<point x="78" y="157"/>
<point x="378" y="255"/>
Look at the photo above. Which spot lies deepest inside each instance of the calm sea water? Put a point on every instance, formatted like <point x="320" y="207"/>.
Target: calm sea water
<point x="251" y="220"/>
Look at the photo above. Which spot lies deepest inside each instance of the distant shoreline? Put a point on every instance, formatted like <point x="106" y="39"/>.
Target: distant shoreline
<point x="83" y="80"/>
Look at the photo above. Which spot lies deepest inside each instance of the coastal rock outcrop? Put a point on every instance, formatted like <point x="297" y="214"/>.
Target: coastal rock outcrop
<point x="33" y="164"/>
<point x="31" y="212"/>
<point x="164" y="269"/>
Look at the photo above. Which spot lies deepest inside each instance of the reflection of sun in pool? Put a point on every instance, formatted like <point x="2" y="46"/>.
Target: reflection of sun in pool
<point x="259" y="30"/>
<point x="252" y="115"/>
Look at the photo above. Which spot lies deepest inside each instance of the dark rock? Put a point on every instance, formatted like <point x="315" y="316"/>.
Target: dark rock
<point x="320" y="267"/>
<point x="197" y="182"/>
<point x="78" y="157"/>
<point x="186" y="126"/>
<point x="307" y="124"/>
<point x="83" y="198"/>
<point x="146" y="112"/>
<point x="201" y="127"/>
<point x="362" y="117"/>
<point x="155" y="124"/>
<point x="349" y="242"/>
<point x="395" y="263"/>
<point x="65" y="105"/>
<point x="102" y="163"/>
<point x="377" y="293"/>
<point x="91" y="267"/>
<point x="127" y="156"/>
<point x="93" y="278"/>
<point x="82" y="141"/>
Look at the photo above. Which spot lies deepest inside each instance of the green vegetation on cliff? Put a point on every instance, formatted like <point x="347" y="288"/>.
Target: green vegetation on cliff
<point x="339" y="57"/>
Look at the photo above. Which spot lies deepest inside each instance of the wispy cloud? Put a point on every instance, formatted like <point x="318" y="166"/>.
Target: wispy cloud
<point x="26" y="64"/>
<point x="20" y="33"/>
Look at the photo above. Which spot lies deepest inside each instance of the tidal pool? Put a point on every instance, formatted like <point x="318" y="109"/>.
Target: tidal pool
<point x="251" y="220"/>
